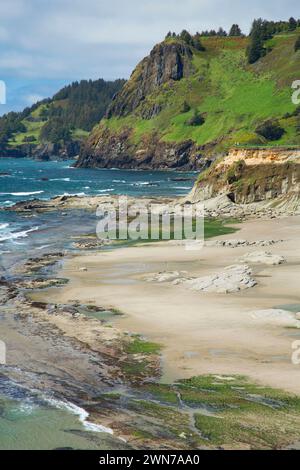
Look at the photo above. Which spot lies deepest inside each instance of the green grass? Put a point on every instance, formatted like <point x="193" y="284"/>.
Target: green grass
<point x="33" y="128"/>
<point x="139" y="346"/>
<point x="232" y="96"/>
<point x="211" y="411"/>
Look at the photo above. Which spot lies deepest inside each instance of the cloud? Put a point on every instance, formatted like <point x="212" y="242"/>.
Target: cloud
<point x="65" y="38"/>
<point x="72" y="39"/>
<point x="32" y="99"/>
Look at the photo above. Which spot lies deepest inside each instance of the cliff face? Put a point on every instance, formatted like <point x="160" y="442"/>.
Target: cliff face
<point x="47" y="151"/>
<point x="166" y="62"/>
<point x="116" y="150"/>
<point x="106" y="148"/>
<point x="248" y="176"/>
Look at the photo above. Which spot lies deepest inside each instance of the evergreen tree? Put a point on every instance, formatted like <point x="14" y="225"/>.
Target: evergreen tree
<point x="292" y="24"/>
<point x="235" y="30"/>
<point x="186" y="37"/>
<point x="256" y="47"/>
<point x="221" y="32"/>
<point x="197" y="43"/>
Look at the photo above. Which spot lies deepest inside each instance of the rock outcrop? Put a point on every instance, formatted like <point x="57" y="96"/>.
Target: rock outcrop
<point x="248" y="176"/>
<point x="233" y="279"/>
<point x="117" y="150"/>
<point x="262" y="257"/>
<point x="168" y="63"/>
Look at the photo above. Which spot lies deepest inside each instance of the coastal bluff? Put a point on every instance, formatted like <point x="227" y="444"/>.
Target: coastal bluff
<point x="254" y="175"/>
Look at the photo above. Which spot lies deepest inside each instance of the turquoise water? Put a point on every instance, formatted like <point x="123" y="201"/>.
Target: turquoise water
<point x="27" y="421"/>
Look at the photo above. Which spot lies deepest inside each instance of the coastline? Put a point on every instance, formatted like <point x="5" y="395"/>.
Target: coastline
<point x="131" y="370"/>
<point x="200" y="332"/>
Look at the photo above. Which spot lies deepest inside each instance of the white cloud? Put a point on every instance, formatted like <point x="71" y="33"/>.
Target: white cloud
<point x="72" y="39"/>
<point x="32" y="98"/>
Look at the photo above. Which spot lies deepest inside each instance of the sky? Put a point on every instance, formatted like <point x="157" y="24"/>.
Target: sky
<point x="45" y="44"/>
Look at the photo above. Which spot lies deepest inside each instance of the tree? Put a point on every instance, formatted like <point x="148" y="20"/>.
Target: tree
<point x="235" y="30"/>
<point x="292" y="24"/>
<point x="197" y="43"/>
<point x="256" y="48"/>
<point x="186" y="37"/>
<point x="221" y="32"/>
<point x="297" y="44"/>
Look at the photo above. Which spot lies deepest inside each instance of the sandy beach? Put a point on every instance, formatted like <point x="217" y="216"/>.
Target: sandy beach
<point x="200" y="332"/>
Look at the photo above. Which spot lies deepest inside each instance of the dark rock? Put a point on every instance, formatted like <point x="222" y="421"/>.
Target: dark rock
<point x="116" y="151"/>
<point x="167" y="61"/>
<point x="45" y="152"/>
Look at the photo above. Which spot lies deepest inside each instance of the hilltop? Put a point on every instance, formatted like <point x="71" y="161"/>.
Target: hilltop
<point x="57" y="127"/>
<point x="185" y="105"/>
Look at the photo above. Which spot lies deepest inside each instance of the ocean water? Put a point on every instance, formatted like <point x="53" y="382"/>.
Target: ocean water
<point x="31" y="421"/>
<point x="27" y="179"/>
<point x="26" y="420"/>
<point x="24" y="179"/>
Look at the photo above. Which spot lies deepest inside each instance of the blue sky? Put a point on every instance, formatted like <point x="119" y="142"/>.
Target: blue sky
<point x="46" y="44"/>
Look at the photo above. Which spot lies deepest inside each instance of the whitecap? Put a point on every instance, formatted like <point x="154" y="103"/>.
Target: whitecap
<point x="42" y="247"/>
<point x="81" y="413"/>
<point x="182" y="187"/>
<point x="105" y="190"/>
<point x="3" y="226"/>
<point x="60" y="179"/>
<point x="22" y="193"/>
<point x="74" y="194"/>
<point x="16" y="235"/>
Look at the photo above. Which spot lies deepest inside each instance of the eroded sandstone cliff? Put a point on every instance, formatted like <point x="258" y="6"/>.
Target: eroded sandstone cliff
<point x="252" y="175"/>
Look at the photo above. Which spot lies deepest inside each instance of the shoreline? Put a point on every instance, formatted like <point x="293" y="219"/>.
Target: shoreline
<point x="169" y="338"/>
<point x="102" y="283"/>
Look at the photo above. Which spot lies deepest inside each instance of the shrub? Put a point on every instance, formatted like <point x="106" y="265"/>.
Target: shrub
<point x="270" y="130"/>
<point x="297" y="44"/>
<point x="29" y="138"/>
<point x="185" y="107"/>
<point x="235" y="172"/>
<point x="196" y="120"/>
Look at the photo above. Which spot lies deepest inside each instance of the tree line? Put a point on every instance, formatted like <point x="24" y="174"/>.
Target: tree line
<point x="261" y="31"/>
<point x="80" y="105"/>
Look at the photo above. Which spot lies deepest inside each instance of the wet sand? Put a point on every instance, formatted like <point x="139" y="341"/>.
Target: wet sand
<point x="200" y="332"/>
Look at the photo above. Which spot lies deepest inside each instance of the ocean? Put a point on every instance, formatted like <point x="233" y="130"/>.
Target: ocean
<point x="27" y="420"/>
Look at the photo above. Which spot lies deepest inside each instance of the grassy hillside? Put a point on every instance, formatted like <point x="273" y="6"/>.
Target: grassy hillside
<point x="232" y="96"/>
<point x="68" y="116"/>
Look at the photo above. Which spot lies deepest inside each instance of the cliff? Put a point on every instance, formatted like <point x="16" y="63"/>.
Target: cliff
<point x="251" y="175"/>
<point x="167" y="63"/>
<point x="184" y="107"/>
